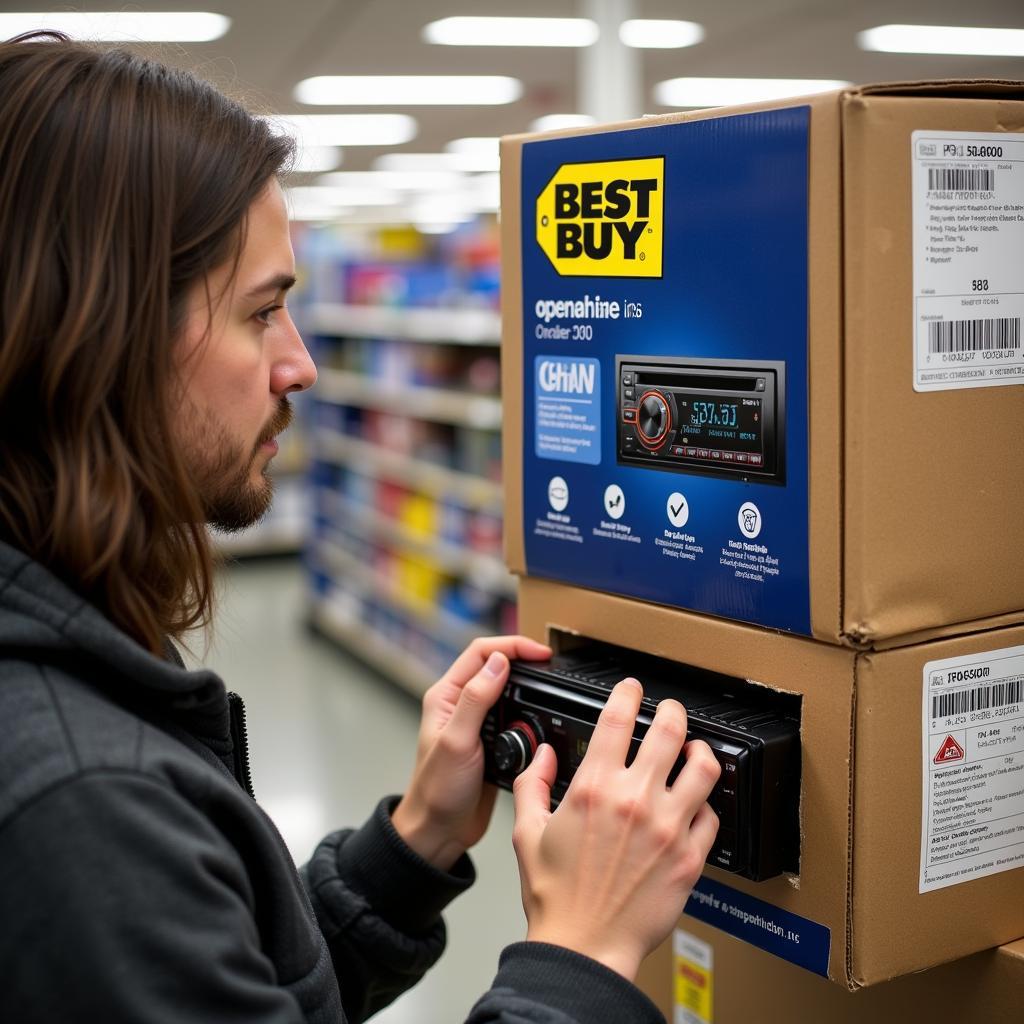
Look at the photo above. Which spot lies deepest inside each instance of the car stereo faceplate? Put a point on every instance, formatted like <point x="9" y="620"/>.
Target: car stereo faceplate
<point x="753" y="731"/>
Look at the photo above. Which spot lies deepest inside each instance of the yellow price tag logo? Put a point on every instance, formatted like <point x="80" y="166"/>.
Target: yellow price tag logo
<point x="604" y="219"/>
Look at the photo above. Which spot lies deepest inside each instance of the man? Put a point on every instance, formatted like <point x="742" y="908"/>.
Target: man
<point x="146" y="358"/>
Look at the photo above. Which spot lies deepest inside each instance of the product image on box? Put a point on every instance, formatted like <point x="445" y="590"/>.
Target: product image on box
<point x="717" y="417"/>
<point x="754" y="732"/>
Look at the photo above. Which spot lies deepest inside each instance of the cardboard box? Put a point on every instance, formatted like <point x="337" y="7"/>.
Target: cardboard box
<point x="892" y="803"/>
<point x="702" y="976"/>
<point x="809" y="242"/>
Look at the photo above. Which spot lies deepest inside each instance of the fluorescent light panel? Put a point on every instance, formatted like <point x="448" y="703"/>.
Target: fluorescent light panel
<point x="122" y="26"/>
<point x="977" y="42"/>
<point x="512" y="32"/>
<point x="407" y="90"/>
<point x="315" y="159"/>
<point x="556" y="122"/>
<point x="346" y="129"/>
<point x="657" y="34"/>
<point x="718" y="92"/>
<point x="412" y="162"/>
<point x="398" y="181"/>
<point x="323" y="195"/>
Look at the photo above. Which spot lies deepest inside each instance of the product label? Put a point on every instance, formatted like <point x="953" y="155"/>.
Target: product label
<point x="693" y="965"/>
<point x="777" y="931"/>
<point x="968" y="204"/>
<point x="972" y="803"/>
<point x="664" y="341"/>
<point x="568" y="413"/>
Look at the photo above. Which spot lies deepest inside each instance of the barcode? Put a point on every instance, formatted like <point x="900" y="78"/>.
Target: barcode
<point x="961" y="179"/>
<point x="973" y="335"/>
<point x="983" y="697"/>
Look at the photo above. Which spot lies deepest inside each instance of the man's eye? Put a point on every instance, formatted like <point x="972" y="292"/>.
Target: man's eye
<point x="264" y="315"/>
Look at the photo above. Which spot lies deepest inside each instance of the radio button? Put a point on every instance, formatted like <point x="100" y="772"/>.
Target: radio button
<point x="691" y="452"/>
<point x="756" y="460"/>
<point x="627" y="378"/>
<point x="702" y="453"/>
<point x="717" y="456"/>
<point x="728" y="457"/>
<point x="653" y="418"/>
<point x="629" y="393"/>
<point x="629" y="415"/>
<point x="515" y="747"/>
<point x="741" y="457"/>
<point x="760" y="383"/>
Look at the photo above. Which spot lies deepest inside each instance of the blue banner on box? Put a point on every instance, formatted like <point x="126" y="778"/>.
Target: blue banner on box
<point x="665" y="364"/>
<point x="793" y="938"/>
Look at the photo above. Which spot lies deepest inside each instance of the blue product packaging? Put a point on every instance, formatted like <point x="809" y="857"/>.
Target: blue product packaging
<point x="665" y="367"/>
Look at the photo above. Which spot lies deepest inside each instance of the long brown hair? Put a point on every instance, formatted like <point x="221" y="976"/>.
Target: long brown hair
<point x="122" y="184"/>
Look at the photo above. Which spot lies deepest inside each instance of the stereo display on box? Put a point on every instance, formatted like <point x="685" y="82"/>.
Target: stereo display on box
<point x="716" y="417"/>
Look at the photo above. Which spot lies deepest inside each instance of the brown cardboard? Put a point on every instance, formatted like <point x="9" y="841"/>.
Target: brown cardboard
<point x="750" y="985"/>
<point x="860" y="803"/>
<point x="914" y="498"/>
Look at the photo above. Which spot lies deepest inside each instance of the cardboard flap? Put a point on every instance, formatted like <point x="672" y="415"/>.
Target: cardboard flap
<point x="961" y="88"/>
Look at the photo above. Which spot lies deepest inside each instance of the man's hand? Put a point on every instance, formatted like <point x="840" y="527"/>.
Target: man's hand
<point x="608" y="872"/>
<point x="447" y="807"/>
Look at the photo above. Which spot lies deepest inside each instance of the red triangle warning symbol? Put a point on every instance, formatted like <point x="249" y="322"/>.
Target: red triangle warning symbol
<point x="949" y="751"/>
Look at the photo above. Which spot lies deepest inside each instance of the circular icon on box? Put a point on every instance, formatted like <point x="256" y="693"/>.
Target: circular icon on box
<point x="614" y="501"/>
<point x="749" y="519"/>
<point x="558" y="493"/>
<point x="677" y="509"/>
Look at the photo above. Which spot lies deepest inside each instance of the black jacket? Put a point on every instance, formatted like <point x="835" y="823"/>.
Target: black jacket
<point x="140" y="881"/>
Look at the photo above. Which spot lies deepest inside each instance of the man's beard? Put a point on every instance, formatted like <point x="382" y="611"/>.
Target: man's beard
<point x="222" y="470"/>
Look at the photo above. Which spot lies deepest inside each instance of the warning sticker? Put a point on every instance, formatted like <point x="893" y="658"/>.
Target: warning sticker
<point x="693" y="965"/>
<point x="968" y="202"/>
<point x="973" y="778"/>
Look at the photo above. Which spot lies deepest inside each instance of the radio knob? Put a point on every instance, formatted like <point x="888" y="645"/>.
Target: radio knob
<point x="652" y="417"/>
<point x="515" y="747"/>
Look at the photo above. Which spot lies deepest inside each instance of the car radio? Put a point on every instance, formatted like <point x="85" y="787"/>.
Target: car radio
<point x="753" y="731"/>
<point x="710" y="416"/>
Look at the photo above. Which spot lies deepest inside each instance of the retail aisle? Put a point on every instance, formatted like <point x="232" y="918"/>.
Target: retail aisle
<point x="328" y="738"/>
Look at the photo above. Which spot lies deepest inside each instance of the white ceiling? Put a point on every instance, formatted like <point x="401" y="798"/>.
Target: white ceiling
<point x="272" y="44"/>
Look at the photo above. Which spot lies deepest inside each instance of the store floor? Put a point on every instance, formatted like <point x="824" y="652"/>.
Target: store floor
<point x="328" y="738"/>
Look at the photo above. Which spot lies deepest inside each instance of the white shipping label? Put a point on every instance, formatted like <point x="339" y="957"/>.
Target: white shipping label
<point x="968" y="207"/>
<point x="693" y="966"/>
<point x="972" y="813"/>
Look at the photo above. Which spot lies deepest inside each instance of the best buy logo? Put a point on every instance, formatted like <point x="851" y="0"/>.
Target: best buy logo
<point x="604" y="219"/>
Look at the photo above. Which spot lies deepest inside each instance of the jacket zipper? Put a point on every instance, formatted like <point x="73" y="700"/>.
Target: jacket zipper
<point x="240" y="742"/>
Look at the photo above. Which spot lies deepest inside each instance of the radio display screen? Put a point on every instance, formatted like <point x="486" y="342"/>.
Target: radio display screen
<point x="715" y="421"/>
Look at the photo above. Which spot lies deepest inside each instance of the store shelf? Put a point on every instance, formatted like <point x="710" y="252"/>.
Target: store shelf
<point x="449" y="628"/>
<point x="461" y="408"/>
<point x="374" y="461"/>
<point x="485" y="571"/>
<point x="379" y="651"/>
<point x="452" y="326"/>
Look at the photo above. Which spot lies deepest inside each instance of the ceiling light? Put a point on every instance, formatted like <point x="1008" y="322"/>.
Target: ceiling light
<point x="413" y="162"/>
<point x="486" y="144"/>
<point x="346" y="129"/>
<point x="334" y="196"/>
<point x="556" y="122"/>
<point x="512" y="32"/>
<point x="406" y="90"/>
<point x="314" y="159"/>
<point x="398" y="181"/>
<point x="654" y="34"/>
<point x="718" y="92"/>
<point x="981" y="42"/>
<point x="475" y="153"/>
<point x="122" y="26"/>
